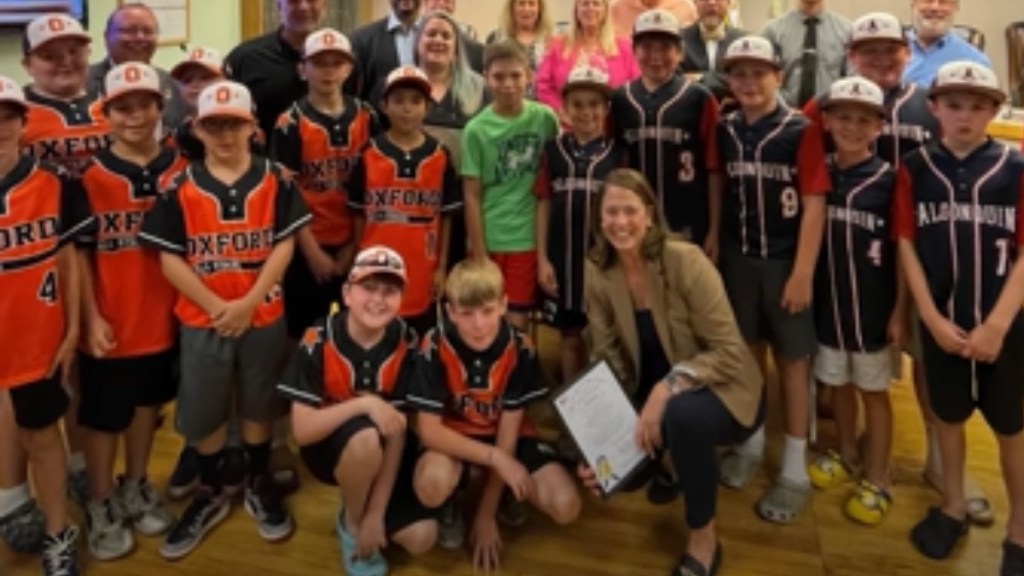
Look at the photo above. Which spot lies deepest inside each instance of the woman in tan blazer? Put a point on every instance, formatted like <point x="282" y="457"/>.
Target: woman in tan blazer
<point x="659" y="316"/>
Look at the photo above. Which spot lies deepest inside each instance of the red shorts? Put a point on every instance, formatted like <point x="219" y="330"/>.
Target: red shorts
<point x="520" y="272"/>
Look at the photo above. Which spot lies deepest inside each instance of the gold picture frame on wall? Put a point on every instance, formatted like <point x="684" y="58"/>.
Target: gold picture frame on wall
<point x="261" y="16"/>
<point x="173" y="16"/>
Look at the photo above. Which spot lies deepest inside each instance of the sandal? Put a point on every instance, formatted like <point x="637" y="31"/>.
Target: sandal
<point x="783" y="502"/>
<point x="979" y="509"/>
<point x="738" y="469"/>
<point x="869" y="504"/>
<point x="937" y="535"/>
<point x="830" y="469"/>
<point x="1013" y="560"/>
<point x="690" y="566"/>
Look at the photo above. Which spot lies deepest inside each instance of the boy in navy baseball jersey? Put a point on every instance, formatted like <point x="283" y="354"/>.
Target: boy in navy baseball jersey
<point x="773" y="214"/>
<point x="347" y="383"/>
<point x="959" y="217"/>
<point x="859" y="309"/>
<point x="667" y="124"/>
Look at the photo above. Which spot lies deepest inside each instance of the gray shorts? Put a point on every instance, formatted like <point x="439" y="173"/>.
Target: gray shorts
<point x="214" y="370"/>
<point x="868" y="371"/>
<point x="755" y="290"/>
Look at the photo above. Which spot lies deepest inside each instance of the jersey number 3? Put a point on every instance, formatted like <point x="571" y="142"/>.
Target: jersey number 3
<point x="686" y="166"/>
<point x="48" y="288"/>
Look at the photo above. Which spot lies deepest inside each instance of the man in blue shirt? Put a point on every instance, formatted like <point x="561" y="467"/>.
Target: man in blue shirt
<point x="933" y="42"/>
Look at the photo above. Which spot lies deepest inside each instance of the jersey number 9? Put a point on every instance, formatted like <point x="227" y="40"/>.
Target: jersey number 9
<point x="790" y="202"/>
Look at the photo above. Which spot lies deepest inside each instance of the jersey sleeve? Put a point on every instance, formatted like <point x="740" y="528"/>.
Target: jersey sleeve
<point x="816" y="125"/>
<point x="525" y="383"/>
<point x="451" y="193"/>
<point x="164" y="225"/>
<point x="542" y="183"/>
<point x="811" y="170"/>
<point x="903" y="207"/>
<point x="356" y="186"/>
<point x="290" y="212"/>
<point x="286" y="142"/>
<point x="303" y="379"/>
<point x="77" y="222"/>
<point x="427" y="391"/>
<point x="471" y="163"/>
<point x="709" y="131"/>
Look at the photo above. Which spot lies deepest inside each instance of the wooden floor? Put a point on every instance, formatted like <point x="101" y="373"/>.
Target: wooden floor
<point x="626" y="536"/>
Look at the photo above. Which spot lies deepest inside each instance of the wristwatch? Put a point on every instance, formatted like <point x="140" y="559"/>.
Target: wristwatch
<point x="681" y="379"/>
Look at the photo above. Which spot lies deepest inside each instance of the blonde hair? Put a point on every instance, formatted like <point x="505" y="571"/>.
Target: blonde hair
<point x="467" y="86"/>
<point x="605" y="37"/>
<point x="507" y="22"/>
<point x="602" y="253"/>
<point x="474" y="282"/>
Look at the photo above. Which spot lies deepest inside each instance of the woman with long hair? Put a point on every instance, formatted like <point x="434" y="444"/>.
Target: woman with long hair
<point x="529" y="23"/>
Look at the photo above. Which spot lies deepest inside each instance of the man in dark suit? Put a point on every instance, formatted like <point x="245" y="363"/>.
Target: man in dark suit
<point x="704" y="45"/>
<point x="382" y="46"/>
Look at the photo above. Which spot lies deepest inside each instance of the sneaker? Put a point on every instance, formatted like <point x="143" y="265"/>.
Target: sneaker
<point x="185" y="477"/>
<point x="204" y="513"/>
<point x="263" y="503"/>
<point x="511" y="512"/>
<point x="662" y="488"/>
<point x="78" y="488"/>
<point x="233" y="472"/>
<point x="59" y="554"/>
<point x="375" y="565"/>
<point x="107" y="537"/>
<point x="24" y="529"/>
<point x="143" y="508"/>
<point x="452" y="530"/>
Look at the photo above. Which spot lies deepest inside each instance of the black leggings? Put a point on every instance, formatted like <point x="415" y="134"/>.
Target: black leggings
<point x="695" y="424"/>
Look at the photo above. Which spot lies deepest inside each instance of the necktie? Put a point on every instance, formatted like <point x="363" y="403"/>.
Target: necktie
<point x="809" y="62"/>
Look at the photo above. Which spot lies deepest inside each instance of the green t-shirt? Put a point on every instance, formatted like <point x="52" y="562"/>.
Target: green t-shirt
<point x="504" y="153"/>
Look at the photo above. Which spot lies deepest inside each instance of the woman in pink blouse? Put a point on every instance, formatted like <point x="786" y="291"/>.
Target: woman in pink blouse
<point x="591" y="39"/>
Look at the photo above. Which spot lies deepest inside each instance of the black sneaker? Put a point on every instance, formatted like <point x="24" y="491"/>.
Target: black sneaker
<point x="511" y="512"/>
<point x="263" y="502"/>
<point x="60" y="557"/>
<point x="451" y="531"/>
<point x="662" y="489"/>
<point x="233" y="472"/>
<point x="201" y="516"/>
<point x="185" y="477"/>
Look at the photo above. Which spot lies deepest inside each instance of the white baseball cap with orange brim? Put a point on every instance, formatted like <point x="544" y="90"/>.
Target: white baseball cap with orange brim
<point x="50" y="27"/>
<point x="327" y="40"/>
<point x="131" y="77"/>
<point x="225" y="99"/>
<point x="205" y="58"/>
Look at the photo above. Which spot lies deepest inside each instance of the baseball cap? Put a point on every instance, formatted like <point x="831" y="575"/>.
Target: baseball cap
<point x="407" y="76"/>
<point x="856" y="90"/>
<point x="131" y="77"/>
<point x="588" y="78"/>
<point x="327" y="40"/>
<point x="751" y="49"/>
<point x="967" y="76"/>
<point x="49" y="27"/>
<point x="225" y="98"/>
<point x="377" y="260"/>
<point x="207" y="58"/>
<point x="656" y="22"/>
<point x="11" y="93"/>
<point x="877" y="27"/>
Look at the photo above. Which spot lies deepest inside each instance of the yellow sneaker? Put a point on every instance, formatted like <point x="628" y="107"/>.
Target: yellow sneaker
<point x="829" y="470"/>
<point x="868" y="504"/>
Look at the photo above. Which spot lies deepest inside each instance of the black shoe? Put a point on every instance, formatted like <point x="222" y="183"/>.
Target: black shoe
<point x="938" y="534"/>
<point x="233" y="471"/>
<point x="185" y="476"/>
<point x="663" y="488"/>
<point x="1013" y="560"/>
<point x="201" y="516"/>
<point x="263" y="503"/>
<point x="60" y="557"/>
<point x="689" y="566"/>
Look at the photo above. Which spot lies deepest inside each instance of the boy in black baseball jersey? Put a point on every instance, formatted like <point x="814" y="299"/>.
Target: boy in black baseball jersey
<point x="959" y="217"/>
<point x="667" y="124"/>
<point x="773" y="214"/>
<point x="572" y="168"/>
<point x="347" y="383"/>
<point x="477" y="375"/>
<point x="859" y="308"/>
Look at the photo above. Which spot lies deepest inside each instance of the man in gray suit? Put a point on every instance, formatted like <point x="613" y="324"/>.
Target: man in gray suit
<point x="705" y="42"/>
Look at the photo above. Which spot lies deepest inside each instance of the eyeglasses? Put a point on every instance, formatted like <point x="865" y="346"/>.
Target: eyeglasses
<point x="137" y="32"/>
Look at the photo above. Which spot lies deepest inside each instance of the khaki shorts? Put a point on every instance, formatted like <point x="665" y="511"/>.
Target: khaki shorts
<point x="868" y="371"/>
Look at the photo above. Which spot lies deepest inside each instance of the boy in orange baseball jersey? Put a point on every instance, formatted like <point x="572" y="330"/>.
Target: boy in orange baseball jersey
<point x="225" y="247"/>
<point x="319" y="138"/>
<point x="41" y="210"/>
<point x="127" y="365"/>
<point x="404" y="188"/>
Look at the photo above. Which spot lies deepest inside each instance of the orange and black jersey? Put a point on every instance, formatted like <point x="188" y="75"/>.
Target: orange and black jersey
<point x="330" y="367"/>
<point x="403" y="196"/>
<point x="41" y="210"/>
<point x="470" y="389"/>
<point x="321" y="150"/>
<point x="65" y="132"/>
<point x="225" y="233"/>
<point x="130" y="289"/>
<point x="183" y="138"/>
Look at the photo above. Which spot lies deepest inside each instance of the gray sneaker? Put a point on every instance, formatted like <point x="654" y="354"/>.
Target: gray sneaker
<point x="143" y="508"/>
<point x="107" y="536"/>
<point x="452" y="530"/>
<point x="78" y="488"/>
<point x="24" y="529"/>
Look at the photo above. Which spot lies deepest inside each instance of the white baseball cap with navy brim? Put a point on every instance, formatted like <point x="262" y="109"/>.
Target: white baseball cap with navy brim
<point x="751" y="48"/>
<point x="857" y="91"/>
<point x="967" y="76"/>
<point x="656" y="22"/>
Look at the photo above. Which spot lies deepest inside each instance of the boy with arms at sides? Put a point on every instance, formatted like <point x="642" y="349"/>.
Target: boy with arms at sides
<point x="347" y="382"/>
<point x="959" y="217"/>
<point x="667" y="124"/>
<point x="478" y="373"/>
<point x="501" y="149"/>
<point x="859" y="303"/>
<point x="127" y="366"/>
<point x="224" y="247"/>
<point x="773" y="215"/>
<point x="403" y="189"/>
<point x="319" y="138"/>
<point x="39" y="316"/>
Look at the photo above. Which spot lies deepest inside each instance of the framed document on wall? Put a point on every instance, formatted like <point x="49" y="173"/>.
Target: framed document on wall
<point x="173" y="18"/>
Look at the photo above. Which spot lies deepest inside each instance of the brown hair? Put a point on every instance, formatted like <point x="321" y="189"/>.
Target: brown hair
<point x="602" y="253"/>
<point x="474" y="282"/>
<point x="505" y="50"/>
<point x="543" y="27"/>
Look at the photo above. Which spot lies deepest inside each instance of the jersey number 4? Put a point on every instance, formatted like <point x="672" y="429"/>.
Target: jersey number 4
<point x="48" y="288"/>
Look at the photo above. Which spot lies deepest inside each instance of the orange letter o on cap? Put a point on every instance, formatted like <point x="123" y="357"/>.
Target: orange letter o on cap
<point x="132" y="74"/>
<point x="223" y="95"/>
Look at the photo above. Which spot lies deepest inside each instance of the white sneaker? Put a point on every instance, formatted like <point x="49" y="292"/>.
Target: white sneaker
<point x="143" y="508"/>
<point x="107" y="536"/>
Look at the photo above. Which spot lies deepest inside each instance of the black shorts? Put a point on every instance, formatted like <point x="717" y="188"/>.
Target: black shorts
<point x="305" y="299"/>
<point x="532" y="453"/>
<point x="112" y="388"/>
<point x="40" y="404"/>
<point x="1000" y="386"/>
<point x="560" y="318"/>
<point x="404" y="507"/>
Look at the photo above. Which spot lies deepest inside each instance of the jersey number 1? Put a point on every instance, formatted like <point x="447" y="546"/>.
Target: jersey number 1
<point x="48" y="288"/>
